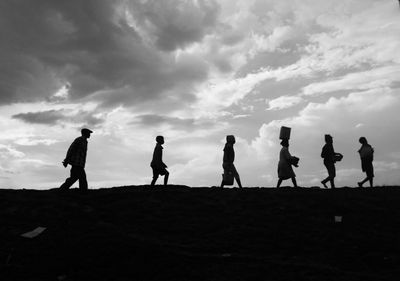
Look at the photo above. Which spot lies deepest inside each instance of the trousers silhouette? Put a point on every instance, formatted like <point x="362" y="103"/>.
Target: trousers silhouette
<point x="77" y="173"/>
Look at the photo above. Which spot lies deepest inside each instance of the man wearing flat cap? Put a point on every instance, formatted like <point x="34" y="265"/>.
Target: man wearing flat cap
<point x="76" y="157"/>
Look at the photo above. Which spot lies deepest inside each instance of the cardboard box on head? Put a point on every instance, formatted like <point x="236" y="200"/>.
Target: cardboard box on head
<point x="284" y="133"/>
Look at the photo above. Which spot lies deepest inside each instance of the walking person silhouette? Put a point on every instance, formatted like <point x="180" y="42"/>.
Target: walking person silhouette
<point x="285" y="170"/>
<point x="228" y="159"/>
<point x="367" y="156"/>
<point x="328" y="153"/>
<point x="76" y="157"/>
<point x="158" y="166"/>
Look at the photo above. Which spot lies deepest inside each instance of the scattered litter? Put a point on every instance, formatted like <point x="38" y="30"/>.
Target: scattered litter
<point x="338" y="218"/>
<point x="32" y="234"/>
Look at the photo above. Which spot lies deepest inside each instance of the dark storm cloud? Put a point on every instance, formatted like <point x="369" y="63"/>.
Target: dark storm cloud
<point x="176" y="23"/>
<point x="54" y="117"/>
<point x="50" y="117"/>
<point x="92" y="46"/>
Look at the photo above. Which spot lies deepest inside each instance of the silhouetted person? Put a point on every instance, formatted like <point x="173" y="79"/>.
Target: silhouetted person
<point x="285" y="170"/>
<point x="76" y="157"/>
<point x="229" y="158"/>
<point x="328" y="153"/>
<point x="367" y="156"/>
<point x="158" y="166"/>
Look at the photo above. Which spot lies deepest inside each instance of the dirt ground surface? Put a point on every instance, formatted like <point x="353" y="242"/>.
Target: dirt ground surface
<point x="181" y="233"/>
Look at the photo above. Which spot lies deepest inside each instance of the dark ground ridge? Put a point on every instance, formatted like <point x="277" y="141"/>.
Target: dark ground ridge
<point x="182" y="233"/>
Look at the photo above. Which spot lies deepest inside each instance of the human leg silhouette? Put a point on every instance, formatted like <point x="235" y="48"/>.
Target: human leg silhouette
<point x="83" y="185"/>
<point x="237" y="178"/>
<point x="331" y="175"/>
<point x="294" y="182"/>
<point x="74" y="176"/>
<point x="332" y="180"/>
<point x="155" y="177"/>
<point x="370" y="179"/>
<point x="325" y="181"/>
<point x="166" y="176"/>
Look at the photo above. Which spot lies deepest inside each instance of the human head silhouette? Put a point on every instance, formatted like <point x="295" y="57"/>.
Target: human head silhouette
<point x="86" y="133"/>
<point x="328" y="139"/>
<point x="160" y="139"/>
<point x="230" y="139"/>
<point x="363" y="140"/>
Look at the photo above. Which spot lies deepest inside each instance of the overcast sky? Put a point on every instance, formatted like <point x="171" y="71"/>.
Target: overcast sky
<point x="196" y="71"/>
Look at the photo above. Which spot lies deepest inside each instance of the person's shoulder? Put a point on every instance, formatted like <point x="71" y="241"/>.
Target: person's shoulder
<point x="78" y="139"/>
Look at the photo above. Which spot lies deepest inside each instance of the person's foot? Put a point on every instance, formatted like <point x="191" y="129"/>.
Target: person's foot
<point x="359" y="184"/>
<point x="62" y="191"/>
<point x="324" y="184"/>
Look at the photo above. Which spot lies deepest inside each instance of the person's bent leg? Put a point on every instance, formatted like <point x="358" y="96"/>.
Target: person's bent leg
<point x="166" y="178"/>
<point x="360" y="184"/>
<point x="155" y="176"/>
<point x="279" y="183"/>
<point x="294" y="182"/>
<point x="71" y="180"/>
<point x="325" y="181"/>
<point x="153" y="182"/>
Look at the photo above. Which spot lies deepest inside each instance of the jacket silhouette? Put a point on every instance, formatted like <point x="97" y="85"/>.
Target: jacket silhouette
<point x="367" y="156"/>
<point x="227" y="164"/>
<point x="328" y="154"/>
<point x="76" y="157"/>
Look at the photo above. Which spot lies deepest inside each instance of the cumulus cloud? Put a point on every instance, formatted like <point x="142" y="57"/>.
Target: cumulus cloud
<point x="8" y="151"/>
<point x="8" y="156"/>
<point x="370" y="79"/>
<point x="283" y="102"/>
<point x="272" y="42"/>
<point x="189" y="124"/>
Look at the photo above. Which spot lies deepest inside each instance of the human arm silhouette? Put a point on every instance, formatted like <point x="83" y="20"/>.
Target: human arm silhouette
<point x="71" y="150"/>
